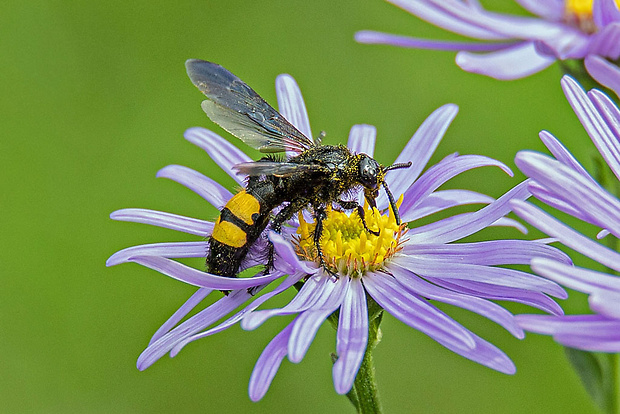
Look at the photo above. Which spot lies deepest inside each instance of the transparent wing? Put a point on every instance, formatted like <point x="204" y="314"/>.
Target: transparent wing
<point x="239" y="110"/>
<point x="279" y="169"/>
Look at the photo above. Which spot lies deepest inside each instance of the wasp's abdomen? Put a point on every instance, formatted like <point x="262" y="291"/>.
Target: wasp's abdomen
<point x="236" y="217"/>
<point x="236" y="229"/>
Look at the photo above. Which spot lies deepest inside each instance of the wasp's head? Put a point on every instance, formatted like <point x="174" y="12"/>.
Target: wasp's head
<point x="371" y="175"/>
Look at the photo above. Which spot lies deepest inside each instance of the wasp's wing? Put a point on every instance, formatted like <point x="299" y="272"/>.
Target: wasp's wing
<point x="279" y="169"/>
<point x="239" y="110"/>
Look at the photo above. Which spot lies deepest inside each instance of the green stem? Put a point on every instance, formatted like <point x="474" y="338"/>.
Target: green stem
<point x="365" y="395"/>
<point x="615" y="366"/>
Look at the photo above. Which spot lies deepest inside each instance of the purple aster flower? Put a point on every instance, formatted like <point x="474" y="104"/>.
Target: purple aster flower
<point x="604" y="72"/>
<point x="562" y="183"/>
<point x="511" y="47"/>
<point x="401" y="268"/>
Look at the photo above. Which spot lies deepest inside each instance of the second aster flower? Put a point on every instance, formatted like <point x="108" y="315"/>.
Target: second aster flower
<point x="564" y="184"/>
<point x="509" y="46"/>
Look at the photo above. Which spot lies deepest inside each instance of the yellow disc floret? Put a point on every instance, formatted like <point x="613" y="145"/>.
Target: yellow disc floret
<point x="583" y="7"/>
<point x="579" y="13"/>
<point x="348" y="249"/>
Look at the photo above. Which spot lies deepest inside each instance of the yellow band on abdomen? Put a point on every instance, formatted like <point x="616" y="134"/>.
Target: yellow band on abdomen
<point x="243" y="206"/>
<point x="229" y="234"/>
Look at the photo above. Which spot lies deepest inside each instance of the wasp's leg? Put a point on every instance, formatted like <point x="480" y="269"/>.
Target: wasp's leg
<point x="350" y="205"/>
<point x="319" y="216"/>
<point x="276" y="225"/>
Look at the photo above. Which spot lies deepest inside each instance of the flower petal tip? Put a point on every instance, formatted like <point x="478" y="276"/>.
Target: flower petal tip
<point x="163" y="173"/>
<point x="114" y="260"/>
<point x="450" y="107"/>
<point x="509" y="369"/>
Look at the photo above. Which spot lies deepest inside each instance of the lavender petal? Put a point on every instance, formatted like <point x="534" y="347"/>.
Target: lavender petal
<point x="225" y="154"/>
<point x="577" y="278"/>
<point x="417" y="313"/>
<point x="181" y="313"/>
<point x="588" y="332"/>
<point x="487" y="253"/>
<point x="168" y="220"/>
<point x="611" y="115"/>
<point x="205" y="187"/>
<point x="309" y="321"/>
<point x="605" y="303"/>
<point x="510" y="26"/>
<point x="558" y="201"/>
<point x="551" y="10"/>
<point x="605" y="12"/>
<point x="313" y="290"/>
<point x="419" y="150"/>
<point x="438" y="174"/>
<point x="563" y="155"/>
<point x="592" y="325"/>
<point x="372" y="37"/>
<point x="591" y="120"/>
<point x="268" y="363"/>
<point x="169" y="250"/>
<point x="286" y="284"/>
<point x="444" y="199"/>
<point x="489" y="291"/>
<point x="457" y="227"/>
<point x="352" y="336"/>
<point x="508" y="222"/>
<point x="285" y="251"/>
<point x="567" y="236"/>
<point x="362" y="139"/>
<point x="448" y="19"/>
<point x="584" y="195"/>
<point x="480" y="306"/>
<point x="499" y="276"/>
<point x="490" y="356"/>
<point x="604" y="72"/>
<point x="511" y="63"/>
<point x="196" y="323"/>
<point x="602" y="234"/>
<point x="199" y="278"/>
<point x="291" y="104"/>
<point x="475" y="348"/>
<point x="590" y="344"/>
<point x="606" y="42"/>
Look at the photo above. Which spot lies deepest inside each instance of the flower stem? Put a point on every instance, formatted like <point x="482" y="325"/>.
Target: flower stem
<point x="616" y="381"/>
<point x="364" y="395"/>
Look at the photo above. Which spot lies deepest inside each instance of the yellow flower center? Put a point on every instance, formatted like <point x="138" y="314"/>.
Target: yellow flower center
<point x="348" y="249"/>
<point x="583" y="7"/>
<point x="579" y="13"/>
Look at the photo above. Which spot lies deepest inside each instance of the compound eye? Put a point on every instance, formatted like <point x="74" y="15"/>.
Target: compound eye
<point x="368" y="172"/>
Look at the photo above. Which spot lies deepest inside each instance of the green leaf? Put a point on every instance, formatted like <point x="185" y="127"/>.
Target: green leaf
<point x="598" y="375"/>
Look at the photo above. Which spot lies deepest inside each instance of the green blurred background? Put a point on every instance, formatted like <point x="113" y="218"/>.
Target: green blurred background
<point x="94" y="102"/>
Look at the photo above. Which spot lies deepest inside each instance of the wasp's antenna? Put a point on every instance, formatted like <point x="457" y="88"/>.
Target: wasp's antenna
<point x="319" y="138"/>
<point x="397" y="166"/>
<point x="392" y="201"/>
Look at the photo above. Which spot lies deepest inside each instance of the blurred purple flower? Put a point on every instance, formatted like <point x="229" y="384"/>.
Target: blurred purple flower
<point x="604" y="72"/>
<point x="400" y="269"/>
<point x="564" y="184"/>
<point x="510" y="46"/>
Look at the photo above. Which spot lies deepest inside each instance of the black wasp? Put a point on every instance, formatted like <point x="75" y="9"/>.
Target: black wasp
<point x="316" y="176"/>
